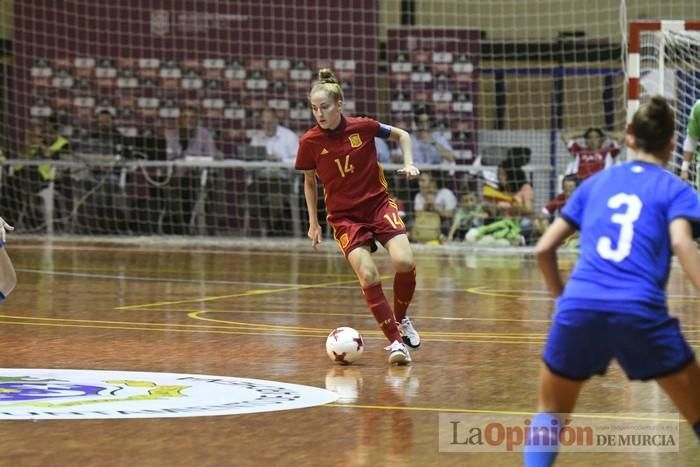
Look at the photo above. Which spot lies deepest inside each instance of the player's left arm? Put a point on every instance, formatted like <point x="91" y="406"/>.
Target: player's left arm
<point x="546" y="254"/>
<point x="404" y="139"/>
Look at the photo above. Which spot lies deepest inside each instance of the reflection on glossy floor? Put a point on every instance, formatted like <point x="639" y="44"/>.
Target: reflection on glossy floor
<point x="265" y="315"/>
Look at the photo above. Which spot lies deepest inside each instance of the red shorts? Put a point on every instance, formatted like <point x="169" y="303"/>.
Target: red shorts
<point x="352" y="229"/>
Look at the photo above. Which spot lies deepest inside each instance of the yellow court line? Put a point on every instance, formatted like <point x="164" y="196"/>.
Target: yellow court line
<point x="500" y="412"/>
<point x="194" y="315"/>
<point x="270" y="332"/>
<point x="353" y="315"/>
<point x="485" y="291"/>
<point x="134" y="323"/>
<point x="260" y="327"/>
<point x="134" y="328"/>
<point x="243" y="294"/>
<point x="265" y="331"/>
<point x="514" y="335"/>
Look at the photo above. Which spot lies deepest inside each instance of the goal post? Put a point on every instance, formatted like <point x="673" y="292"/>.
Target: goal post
<point x="663" y="58"/>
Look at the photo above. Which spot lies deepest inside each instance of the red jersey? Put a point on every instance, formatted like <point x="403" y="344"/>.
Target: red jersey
<point x="590" y="161"/>
<point x="345" y="159"/>
<point x="554" y="205"/>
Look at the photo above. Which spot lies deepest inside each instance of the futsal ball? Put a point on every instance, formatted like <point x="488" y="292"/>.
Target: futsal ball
<point x="344" y="345"/>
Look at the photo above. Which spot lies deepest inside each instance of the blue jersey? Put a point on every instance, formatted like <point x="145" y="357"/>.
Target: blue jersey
<point x="623" y="214"/>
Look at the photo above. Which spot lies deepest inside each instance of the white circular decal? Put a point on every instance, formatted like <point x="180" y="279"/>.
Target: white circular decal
<point x="82" y="394"/>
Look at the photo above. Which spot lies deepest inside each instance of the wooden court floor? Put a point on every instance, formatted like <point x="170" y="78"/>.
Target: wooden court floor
<point x="264" y="314"/>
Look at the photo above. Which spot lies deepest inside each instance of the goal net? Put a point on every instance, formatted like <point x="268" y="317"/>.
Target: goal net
<point x="664" y="59"/>
<point x="158" y="117"/>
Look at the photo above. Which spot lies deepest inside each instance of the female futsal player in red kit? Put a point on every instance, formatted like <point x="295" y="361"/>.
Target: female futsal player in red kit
<point x="340" y="151"/>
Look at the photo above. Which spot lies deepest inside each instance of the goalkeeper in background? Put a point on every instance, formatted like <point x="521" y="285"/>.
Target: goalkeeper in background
<point x="690" y="145"/>
<point x="8" y="276"/>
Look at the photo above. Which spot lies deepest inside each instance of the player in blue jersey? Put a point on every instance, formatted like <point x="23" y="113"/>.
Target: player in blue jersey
<point x="632" y="218"/>
<point x="8" y="277"/>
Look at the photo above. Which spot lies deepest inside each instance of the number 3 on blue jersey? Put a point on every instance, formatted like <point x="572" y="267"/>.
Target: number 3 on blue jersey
<point x="626" y="220"/>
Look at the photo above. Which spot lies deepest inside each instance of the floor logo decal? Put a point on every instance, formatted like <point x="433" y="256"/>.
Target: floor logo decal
<point x="84" y="394"/>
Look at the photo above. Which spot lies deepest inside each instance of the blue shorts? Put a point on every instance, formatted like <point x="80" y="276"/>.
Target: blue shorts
<point x="581" y="343"/>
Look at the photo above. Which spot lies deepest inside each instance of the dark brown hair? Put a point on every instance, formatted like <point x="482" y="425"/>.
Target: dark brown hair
<point x="653" y="125"/>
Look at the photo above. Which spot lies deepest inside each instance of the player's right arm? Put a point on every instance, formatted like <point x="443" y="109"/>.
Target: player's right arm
<point x="692" y="136"/>
<point x="311" y="195"/>
<point x="685" y="249"/>
<point x="546" y="254"/>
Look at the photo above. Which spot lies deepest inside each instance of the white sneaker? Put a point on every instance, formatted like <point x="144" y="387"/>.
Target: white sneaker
<point x="398" y="353"/>
<point x="408" y="333"/>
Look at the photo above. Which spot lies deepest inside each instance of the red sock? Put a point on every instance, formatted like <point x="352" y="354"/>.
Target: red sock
<point x="382" y="311"/>
<point x="404" y="286"/>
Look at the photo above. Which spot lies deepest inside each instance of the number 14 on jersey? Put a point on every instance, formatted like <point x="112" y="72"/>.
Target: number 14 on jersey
<point x="348" y="168"/>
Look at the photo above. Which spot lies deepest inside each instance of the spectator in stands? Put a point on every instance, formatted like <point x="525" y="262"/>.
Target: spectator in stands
<point x="554" y="206"/>
<point x="470" y="214"/>
<point x="513" y="181"/>
<point x="270" y="197"/>
<point x="511" y="207"/>
<point x="103" y="208"/>
<point x="592" y="150"/>
<point x="432" y="198"/>
<point x="383" y="152"/>
<point x="35" y="185"/>
<point x="102" y="138"/>
<point x="429" y="146"/>
<point x="190" y="140"/>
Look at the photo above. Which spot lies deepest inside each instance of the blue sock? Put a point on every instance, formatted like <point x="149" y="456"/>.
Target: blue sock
<point x="542" y="444"/>
<point x="2" y="297"/>
<point x="696" y="428"/>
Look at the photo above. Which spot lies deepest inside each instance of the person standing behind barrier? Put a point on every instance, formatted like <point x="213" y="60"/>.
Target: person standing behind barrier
<point x="593" y="150"/>
<point x="340" y="151"/>
<point x="273" y="187"/>
<point x="39" y="184"/>
<point x="690" y="144"/>
<point x="101" y="190"/>
<point x="190" y="140"/>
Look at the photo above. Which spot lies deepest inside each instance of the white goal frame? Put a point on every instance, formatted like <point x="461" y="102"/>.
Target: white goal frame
<point x="636" y="28"/>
